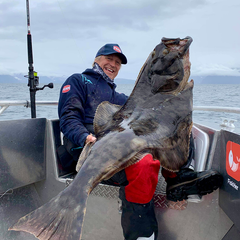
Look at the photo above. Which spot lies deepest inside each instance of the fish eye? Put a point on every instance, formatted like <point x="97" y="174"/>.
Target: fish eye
<point x="165" y="51"/>
<point x="153" y="53"/>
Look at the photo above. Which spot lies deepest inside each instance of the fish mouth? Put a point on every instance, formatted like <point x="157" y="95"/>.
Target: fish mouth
<point x="170" y="65"/>
<point x="178" y="45"/>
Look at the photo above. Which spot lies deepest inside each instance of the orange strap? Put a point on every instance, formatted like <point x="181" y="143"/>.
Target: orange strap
<point x="168" y="174"/>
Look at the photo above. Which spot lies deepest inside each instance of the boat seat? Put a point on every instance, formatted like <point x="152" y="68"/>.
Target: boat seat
<point x="201" y="148"/>
<point x="57" y="142"/>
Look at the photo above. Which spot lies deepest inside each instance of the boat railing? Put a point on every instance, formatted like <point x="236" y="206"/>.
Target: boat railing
<point x="217" y="109"/>
<point x="5" y="104"/>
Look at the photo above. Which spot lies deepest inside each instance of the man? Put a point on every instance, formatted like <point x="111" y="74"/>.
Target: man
<point x="79" y="98"/>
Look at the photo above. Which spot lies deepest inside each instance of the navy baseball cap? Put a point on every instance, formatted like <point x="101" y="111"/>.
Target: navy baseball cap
<point x="111" y="48"/>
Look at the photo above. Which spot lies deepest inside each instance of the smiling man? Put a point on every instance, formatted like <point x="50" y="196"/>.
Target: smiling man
<point x="80" y="96"/>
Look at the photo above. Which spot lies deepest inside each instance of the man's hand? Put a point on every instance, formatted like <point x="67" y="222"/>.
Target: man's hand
<point x="90" y="138"/>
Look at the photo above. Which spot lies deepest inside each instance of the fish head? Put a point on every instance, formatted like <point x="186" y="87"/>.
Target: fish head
<point x="168" y="65"/>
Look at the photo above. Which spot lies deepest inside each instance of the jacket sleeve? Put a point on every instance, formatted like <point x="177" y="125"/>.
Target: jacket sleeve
<point x="120" y="98"/>
<point x="71" y="110"/>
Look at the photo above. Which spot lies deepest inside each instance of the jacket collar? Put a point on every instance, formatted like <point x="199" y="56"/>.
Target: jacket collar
<point x="99" y="70"/>
<point x="90" y="72"/>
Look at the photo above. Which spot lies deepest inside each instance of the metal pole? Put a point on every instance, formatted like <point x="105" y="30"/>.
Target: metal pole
<point x="31" y="80"/>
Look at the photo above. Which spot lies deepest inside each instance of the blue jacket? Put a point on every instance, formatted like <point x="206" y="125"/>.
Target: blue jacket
<point x="79" y="97"/>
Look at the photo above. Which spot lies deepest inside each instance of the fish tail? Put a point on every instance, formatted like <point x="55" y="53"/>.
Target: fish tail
<point x="59" y="219"/>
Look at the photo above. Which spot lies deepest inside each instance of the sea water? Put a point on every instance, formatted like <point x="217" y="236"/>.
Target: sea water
<point x="224" y="95"/>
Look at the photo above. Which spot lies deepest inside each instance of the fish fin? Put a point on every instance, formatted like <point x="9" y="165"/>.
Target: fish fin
<point x="103" y="117"/>
<point x="127" y="163"/>
<point x="59" y="219"/>
<point x="84" y="154"/>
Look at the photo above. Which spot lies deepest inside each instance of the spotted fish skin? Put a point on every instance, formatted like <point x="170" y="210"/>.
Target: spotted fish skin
<point x="156" y="119"/>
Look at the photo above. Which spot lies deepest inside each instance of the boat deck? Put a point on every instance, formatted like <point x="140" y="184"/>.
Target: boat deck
<point x="196" y="219"/>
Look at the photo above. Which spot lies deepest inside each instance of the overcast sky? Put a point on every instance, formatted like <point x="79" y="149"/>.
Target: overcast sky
<point x="67" y="33"/>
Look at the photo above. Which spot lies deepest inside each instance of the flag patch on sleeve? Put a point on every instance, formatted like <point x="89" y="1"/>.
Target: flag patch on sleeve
<point x="66" y="89"/>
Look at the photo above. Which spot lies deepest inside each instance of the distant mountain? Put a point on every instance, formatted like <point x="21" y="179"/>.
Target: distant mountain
<point x="124" y="81"/>
<point x="216" y="79"/>
<point x="19" y="78"/>
<point x="8" y="79"/>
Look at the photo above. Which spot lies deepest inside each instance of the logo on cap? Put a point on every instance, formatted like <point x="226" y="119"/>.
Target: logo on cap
<point x="66" y="89"/>
<point x="117" y="49"/>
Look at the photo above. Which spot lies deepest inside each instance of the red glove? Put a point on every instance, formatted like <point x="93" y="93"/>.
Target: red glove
<point x="143" y="178"/>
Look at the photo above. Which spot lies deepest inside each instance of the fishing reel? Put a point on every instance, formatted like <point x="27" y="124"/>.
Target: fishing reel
<point x="33" y="83"/>
<point x="50" y="85"/>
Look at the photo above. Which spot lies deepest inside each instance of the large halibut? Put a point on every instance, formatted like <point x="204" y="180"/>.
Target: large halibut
<point x="156" y="119"/>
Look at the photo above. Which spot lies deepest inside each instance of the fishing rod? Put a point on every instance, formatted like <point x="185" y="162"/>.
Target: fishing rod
<point x="33" y="79"/>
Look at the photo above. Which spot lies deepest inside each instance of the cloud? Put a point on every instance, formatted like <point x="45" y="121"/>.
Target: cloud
<point x="51" y="19"/>
<point x="215" y="69"/>
<point x="67" y="33"/>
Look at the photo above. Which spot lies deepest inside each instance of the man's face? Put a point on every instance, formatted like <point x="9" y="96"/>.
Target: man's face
<point x="110" y="64"/>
